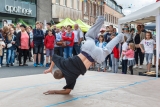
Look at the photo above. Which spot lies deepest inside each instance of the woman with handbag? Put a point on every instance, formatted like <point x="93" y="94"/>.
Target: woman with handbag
<point x="10" y="42"/>
<point x="68" y="38"/>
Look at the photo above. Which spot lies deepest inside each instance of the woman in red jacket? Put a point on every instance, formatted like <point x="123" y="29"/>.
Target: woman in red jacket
<point x="68" y="37"/>
<point x="49" y="44"/>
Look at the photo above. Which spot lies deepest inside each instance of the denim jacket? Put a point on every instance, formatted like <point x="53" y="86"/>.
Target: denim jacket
<point x="104" y="44"/>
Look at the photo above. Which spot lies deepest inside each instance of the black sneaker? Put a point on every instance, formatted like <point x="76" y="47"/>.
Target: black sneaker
<point x="7" y="65"/>
<point x="12" y="65"/>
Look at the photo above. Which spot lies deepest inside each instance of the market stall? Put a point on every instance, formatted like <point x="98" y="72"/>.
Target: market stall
<point x="65" y="22"/>
<point x="150" y="13"/>
<point x="84" y="27"/>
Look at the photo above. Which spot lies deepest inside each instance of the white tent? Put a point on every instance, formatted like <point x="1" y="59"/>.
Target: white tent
<point x="146" y="14"/>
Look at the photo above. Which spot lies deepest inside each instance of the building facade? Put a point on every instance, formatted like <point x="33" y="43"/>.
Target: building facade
<point x="112" y="12"/>
<point x="14" y="11"/>
<point x="91" y="9"/>
<point x="62" y="9"/>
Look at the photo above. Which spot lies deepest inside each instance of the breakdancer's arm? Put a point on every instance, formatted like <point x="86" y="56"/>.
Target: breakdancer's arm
<point x="64" y="92"/>
<point x="50" y="68"/>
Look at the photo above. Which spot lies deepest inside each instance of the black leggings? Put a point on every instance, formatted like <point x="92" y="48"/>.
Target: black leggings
<point x="131" y="69"/>
<point x="24" y="53"/>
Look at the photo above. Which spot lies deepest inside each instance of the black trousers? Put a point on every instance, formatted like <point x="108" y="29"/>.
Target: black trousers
<point x="24" y="53"/>
<point x="139" y="55"/>
<point x="124" y="66"/>
<point x="131" y="69"/>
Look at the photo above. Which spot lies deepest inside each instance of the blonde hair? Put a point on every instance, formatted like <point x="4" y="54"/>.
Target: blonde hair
<point x="9" y="35"/>
<point x="132" y="46"/>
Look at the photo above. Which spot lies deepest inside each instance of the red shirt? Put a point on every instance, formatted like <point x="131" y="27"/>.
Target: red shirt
<point x="49" y="42"/>
<point x="70" y="39"/>
<point x="157" y="0"/>
<point x="24" y="40"/>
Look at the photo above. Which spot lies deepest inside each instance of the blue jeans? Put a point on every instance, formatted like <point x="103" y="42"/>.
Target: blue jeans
<point x="76" y="49"/>
<point x="10" y="56"/>
<point x="68" y="52"/>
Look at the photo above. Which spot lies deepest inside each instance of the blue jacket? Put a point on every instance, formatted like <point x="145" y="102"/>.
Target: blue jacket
<point x="38" y="36"/>
<point x="9" y="41"/>
<point x="103" y="45"/>
<point x="1" y="37"/>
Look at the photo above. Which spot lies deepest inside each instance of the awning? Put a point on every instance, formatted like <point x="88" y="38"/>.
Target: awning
<point x="84" y="27"/>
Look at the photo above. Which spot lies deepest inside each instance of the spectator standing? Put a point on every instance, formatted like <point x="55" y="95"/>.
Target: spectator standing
<point x="143" y="28"/>
<point x="38" y="38"/>
<point x="2" y="45"/>
<point x="149" y="45"/>
<point x="130" y="56"/>
<point x="23" y="42"/>
<point x="48" y="28"/>
<point x="49" y="44"/>
<point x="107" y="38"/>
<point x="137" y="39"/>
<point x="58" y="49"/>
<point x="101" y="44"/>
<point x="18" y="29"/>
<point x="124" y="58"/>
<point x="30" y="32"/>
<point x="68" y="37"/>
<point x="115" y="56"/>
<point x="78" y="37"/>
<point x="11" y="47"/>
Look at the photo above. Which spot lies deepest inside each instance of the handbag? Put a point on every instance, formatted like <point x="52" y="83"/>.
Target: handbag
<point x="32" y="44"/>
<point x="9" y="45"/>
<point x="61" y="43"/>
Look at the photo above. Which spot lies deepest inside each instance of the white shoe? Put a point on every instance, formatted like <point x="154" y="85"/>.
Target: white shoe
<point x="110" y="69"/>
<point x="140" y="67"/>
<point x="0" y="66"/>
<point x="135" y="66"/>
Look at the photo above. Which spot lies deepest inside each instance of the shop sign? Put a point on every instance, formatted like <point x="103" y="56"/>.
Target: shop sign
<point x="18" y="9"/>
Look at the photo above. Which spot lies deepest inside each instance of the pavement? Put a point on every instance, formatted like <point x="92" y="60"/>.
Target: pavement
<point x="95" y="89"/>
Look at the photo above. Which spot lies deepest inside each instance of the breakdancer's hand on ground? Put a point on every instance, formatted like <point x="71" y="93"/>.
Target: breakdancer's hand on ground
<point x="49" y="92"/>
<point x="50" y="68"/>
<point x="48" y="71"/>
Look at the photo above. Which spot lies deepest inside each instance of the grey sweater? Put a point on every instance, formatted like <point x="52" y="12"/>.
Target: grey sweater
<point x="99" y="54"/>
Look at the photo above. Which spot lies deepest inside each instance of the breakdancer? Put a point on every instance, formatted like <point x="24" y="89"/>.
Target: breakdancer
<point x="71" y="68"/>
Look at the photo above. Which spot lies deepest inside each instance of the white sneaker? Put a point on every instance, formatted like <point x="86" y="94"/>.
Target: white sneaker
<point x="110" y="69"/>
<point x="135" y="66"/>
<point x="0" y="66"/>
<point x="140" y="67"/>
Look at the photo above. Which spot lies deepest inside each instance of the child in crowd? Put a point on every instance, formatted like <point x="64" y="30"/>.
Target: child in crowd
<point x="149" y="45"/>
<point x="2" y="45"/>
<point x="101" y="44"/>
<point x="124" y="58"/>
<point x="49" y="44"/>
<point x="130" y="56"/>
<point x="115" y="55"/>
<point x="10" y="41"/>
